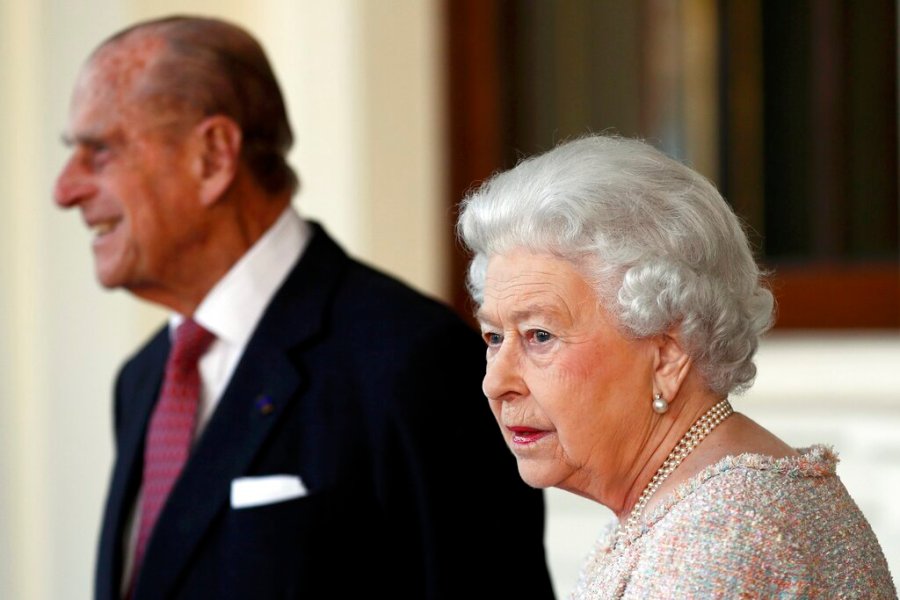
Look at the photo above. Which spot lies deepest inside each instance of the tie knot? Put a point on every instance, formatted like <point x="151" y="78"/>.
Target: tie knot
<point x="191" y="341"/>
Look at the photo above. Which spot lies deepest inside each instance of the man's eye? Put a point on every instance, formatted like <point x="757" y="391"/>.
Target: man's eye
<point x="99" y="155"/>
<point x="541" y="337"/>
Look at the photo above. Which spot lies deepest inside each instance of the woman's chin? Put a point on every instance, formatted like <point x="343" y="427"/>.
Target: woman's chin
<point x="538" y="475"/>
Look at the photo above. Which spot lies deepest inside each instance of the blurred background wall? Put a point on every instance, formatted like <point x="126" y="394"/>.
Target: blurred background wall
<point x="398" y="107"/>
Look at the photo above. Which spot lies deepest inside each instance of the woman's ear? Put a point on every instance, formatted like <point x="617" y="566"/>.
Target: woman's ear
<point x="671" y="366"/>
<point x="219" y="139"/>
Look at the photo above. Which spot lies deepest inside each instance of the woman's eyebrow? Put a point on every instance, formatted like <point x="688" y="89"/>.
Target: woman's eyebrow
<point x="550" y="312"/>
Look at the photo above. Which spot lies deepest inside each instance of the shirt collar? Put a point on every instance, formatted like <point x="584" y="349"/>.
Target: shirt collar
<point x="234" y="306"/>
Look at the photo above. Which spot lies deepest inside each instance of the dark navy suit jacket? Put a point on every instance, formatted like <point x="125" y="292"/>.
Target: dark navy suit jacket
<point x="371" y="394"/>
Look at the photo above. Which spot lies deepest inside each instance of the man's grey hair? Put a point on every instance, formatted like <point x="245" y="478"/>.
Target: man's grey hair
<point x="211" y="67"/>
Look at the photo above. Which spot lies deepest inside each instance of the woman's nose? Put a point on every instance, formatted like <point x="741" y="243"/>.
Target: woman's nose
<point x="503" y="374"/>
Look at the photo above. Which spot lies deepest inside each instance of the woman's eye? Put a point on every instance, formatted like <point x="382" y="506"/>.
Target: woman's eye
<point x="493" y="339"/>
<point x="541" y="337"/>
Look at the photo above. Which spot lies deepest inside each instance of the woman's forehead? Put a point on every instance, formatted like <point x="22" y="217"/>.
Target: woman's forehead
<point x="523" y="284"/>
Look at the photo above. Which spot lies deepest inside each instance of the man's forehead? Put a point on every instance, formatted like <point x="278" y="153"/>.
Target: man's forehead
<point x="120" y="65"/>
<point x="107" y="87"/>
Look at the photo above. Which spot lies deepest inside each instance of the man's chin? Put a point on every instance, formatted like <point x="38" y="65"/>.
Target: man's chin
<point x="108" y="279"/>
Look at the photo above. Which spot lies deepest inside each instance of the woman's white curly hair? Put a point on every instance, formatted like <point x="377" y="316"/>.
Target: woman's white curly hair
<point x="655" y="238"/>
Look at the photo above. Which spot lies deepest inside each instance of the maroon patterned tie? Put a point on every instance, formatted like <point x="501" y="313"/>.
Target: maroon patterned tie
<point x="171" y="429"/>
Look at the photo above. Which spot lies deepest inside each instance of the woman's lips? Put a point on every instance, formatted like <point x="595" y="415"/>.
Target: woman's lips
<point x="526" y="435"/>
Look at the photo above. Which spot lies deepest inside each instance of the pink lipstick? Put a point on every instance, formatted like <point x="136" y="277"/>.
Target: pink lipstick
<point x="526" y="435"/>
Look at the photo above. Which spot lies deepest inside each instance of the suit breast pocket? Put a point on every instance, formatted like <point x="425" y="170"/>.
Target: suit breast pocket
<point x="273" y="550"/>
<point x="304" y="547"/>
<point x="252" y="492"/>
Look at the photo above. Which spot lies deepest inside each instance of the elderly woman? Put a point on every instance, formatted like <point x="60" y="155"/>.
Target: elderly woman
<point x="621" y="306"/>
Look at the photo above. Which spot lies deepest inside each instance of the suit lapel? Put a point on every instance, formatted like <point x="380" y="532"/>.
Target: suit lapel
<point x="263" y="388"/>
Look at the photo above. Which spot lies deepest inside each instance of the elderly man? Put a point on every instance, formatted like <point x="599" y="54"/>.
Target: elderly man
<point x="304" y="427"/>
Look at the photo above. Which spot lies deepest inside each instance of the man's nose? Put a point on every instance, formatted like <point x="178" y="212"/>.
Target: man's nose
<point x="72" y="185"/>
<point x="503" y="373"/>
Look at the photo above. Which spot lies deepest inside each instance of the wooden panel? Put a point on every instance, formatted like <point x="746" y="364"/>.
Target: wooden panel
<point x="837" y="297"/>
<point x="474" y="112"/>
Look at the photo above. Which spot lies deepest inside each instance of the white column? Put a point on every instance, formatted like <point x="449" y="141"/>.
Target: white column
<point x="362" y="80"/>
<point x="403" y="131"/>
<point x="23" y="493"/>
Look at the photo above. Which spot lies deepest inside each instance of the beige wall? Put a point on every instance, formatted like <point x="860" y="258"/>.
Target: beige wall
<point x="363" y="95"/>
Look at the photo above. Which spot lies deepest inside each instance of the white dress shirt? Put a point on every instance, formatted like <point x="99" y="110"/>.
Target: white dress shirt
<point x="233" y="307"/>
<point x="231" y="310"/>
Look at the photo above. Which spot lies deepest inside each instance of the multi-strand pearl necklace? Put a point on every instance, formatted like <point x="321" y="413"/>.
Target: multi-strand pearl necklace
<point x="698" y="431"/>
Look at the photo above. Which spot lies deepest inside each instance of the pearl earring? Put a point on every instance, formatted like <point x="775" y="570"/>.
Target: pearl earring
<point x="660" y="406"/>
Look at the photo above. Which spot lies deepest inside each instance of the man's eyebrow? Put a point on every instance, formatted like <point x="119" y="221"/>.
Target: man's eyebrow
<point x="90" y="138"/>
<point x="79" y="139"/>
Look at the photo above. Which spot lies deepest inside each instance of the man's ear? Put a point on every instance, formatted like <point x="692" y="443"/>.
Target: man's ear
<point x="219" y="139"/>
<point x="671" y="366"/>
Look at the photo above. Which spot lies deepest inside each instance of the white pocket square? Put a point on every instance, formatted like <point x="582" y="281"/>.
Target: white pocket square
<point x="247" y="492"/>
